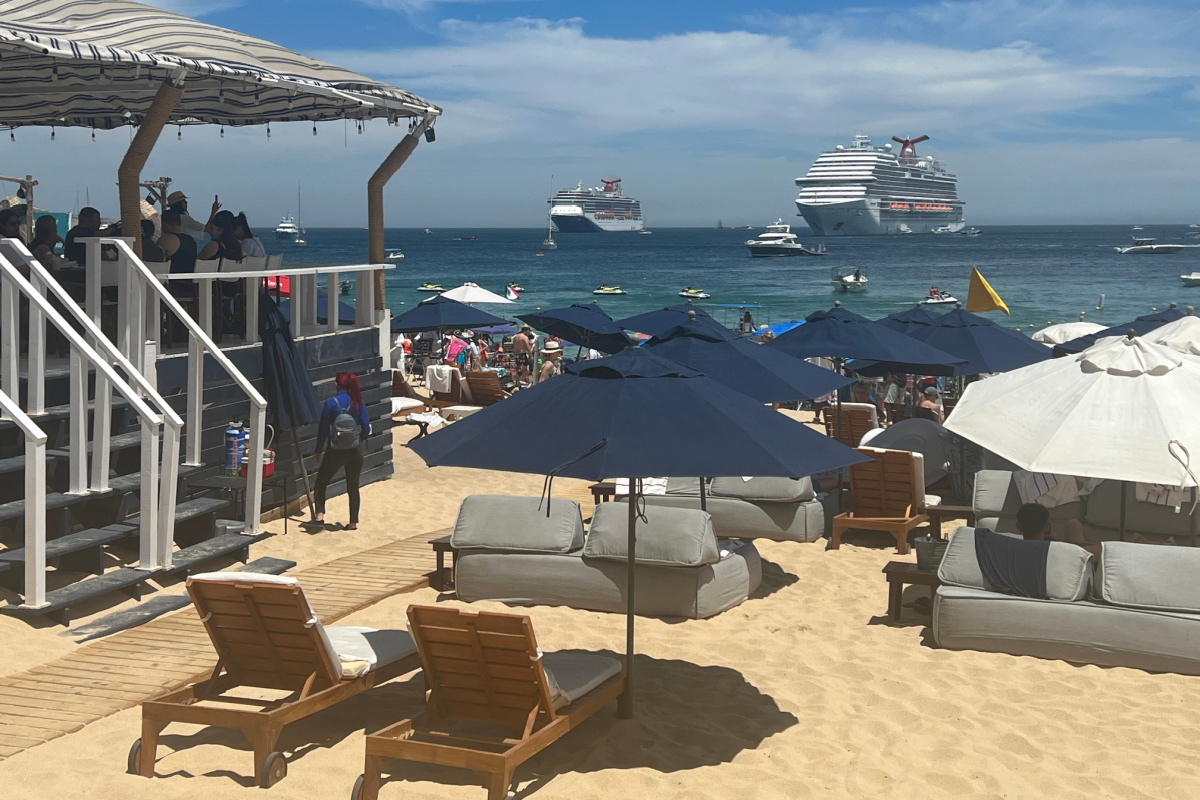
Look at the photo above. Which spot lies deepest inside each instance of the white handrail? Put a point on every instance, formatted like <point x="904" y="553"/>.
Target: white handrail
<point x="198" y="343"/>
<point x="35" y="502"/>
<point x="150" y="554"/>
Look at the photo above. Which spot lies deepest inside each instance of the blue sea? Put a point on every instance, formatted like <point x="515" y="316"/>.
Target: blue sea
<point x="1045" y="274"/>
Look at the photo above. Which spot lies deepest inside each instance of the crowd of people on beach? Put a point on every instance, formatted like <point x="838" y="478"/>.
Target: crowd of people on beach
<point x="529" y="358"/>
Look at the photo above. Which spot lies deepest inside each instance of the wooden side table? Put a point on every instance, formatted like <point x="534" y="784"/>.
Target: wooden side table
<point x="603" y="492"/>
<point x="937" y="513"/>
<point x="441" y="546"/>
<point x="899" y="573"/>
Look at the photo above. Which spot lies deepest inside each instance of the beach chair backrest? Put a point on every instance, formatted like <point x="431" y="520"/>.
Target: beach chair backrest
<point x="482" y="666"/>
<point x="264" y="631"/>
<point x="484" y="388"/>
<point x="207" y="266"/>
<point x="274" y="261"/>
<point x="883" y="486"/>
<point x="857" y="420"/>
<point x="247" y="264"/>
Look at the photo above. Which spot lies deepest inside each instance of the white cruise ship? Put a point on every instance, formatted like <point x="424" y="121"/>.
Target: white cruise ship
<point x="863" y="190"/>
<point x="603" y="208"/>
<point x="287" y="228"/>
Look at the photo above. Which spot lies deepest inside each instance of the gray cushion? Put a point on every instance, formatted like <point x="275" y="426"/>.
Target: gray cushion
<point x="573" y="673"/>
<point x="991" y="491"/>
<point x="778" y="490"/>
<point x="517" y="524"/>
<point x="672" y="537"/>
<point x="683" y="486"/>
<point x="1068" y="567"/>
<point x="1149" y="576"/>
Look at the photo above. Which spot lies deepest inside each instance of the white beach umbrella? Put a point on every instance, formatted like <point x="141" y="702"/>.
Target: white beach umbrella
<point x="1182" y="335"/>
<point x="471" y="293"/>
<point x="1065" y="332"/>
<point x="1124" y="409"/>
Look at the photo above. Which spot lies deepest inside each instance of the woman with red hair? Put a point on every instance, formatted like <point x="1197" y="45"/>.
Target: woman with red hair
<point x="344" y="426"/>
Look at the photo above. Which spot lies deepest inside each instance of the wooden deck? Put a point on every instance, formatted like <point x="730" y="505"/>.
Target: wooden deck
<point x="124" y="669"/>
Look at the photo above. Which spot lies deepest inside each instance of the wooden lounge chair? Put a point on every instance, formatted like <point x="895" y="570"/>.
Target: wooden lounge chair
<point x="887" y="493"/>
<point x="495" y="699"/>
<point x="897" y="412"/>
<point x="408" y="399"/>
<point x="857" y="419"/>
<point x="267" y="637"/>
<point x="484" y="388"/>
<point x="452" y="397"/>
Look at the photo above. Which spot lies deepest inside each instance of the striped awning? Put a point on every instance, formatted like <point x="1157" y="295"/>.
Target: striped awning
<point x="99" y="63"/>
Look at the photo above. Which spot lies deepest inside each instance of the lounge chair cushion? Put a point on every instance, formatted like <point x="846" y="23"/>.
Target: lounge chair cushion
<point x="688" y="487"/>
<point x="776" y="490"/>
<point x="361" y="650"/>
<point x="668" y="537"/>
<point x="402" y="404"/>
<point x="573" y="673"/>
<point x="1068" y="567"/>
<point x="517" y="524"/>
<point x="1149" y="576"/>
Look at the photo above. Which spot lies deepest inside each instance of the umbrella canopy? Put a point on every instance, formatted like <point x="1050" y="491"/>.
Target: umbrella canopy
<point x="1182" y="335"/>
<point x="664" y="321"/>
<point x="839" y="333"/>
<point x="441" y="312"/>
<point x="778" y="328"/>
<point x="1140" y="326"/>
<point x="345" y="310"/>
<point x="986" y="346"/>
<point x="472" y="293"/>
<point x="291" y="399"/>
<point x="1111" y="412"/>
<point x="765" y="375"/>
<point x="506" y="329"/>
<point x="1065" y="332"/>
<point x="907" y="321"/>
<point x="584" y="325"/>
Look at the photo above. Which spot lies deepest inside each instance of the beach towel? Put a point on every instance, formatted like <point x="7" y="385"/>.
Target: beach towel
<point x="438" y="377"/>
<point x="1012" y="566"/>
<point x="649" y="486"/>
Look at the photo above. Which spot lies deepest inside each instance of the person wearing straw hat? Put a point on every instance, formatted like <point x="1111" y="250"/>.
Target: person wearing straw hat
<point x="178" y="201"/>
<point x="551" y="353"/>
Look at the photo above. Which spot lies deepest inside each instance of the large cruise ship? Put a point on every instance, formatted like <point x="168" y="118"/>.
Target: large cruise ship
<point x="862" y="190"/>
<point x="603" y="208"/>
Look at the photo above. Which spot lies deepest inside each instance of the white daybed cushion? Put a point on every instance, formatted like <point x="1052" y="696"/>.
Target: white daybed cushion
<point x="573" y="673"/>
<point x="402" y="404"/>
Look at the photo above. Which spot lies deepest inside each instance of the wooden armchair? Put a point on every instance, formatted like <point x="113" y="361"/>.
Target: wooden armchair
<point x="887" y="494"/>
<point x="484" y="388"/>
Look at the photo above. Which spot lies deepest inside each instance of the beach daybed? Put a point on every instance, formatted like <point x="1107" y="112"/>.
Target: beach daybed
<point x="781" y="509"/>
<point x="267" y="637"/>
<point x="1138" y="607"/>
<point x="495" y="699"/>
<point x="509" y="550"/>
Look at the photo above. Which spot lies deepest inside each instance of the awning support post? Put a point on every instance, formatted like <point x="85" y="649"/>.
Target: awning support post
<point x="129" y="174"/>
<point x="387" y="169"/>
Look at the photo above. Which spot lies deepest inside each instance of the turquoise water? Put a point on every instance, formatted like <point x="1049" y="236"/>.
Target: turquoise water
<point x="1044" y="274"/>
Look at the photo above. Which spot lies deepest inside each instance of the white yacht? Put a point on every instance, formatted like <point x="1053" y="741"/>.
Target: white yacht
<point x="1146" y="247"/>
<point x="394" y="255"/>
<point x="778" y="240"/>
<point x="1192" y="279"/>
<point x="287" y="228"/>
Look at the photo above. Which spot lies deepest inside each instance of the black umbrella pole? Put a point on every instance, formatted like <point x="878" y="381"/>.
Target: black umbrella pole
<point x="625" y="701"/>
<point x="312" y="511"/>
<point x="841" y="471"/>
<point x="703" y="497"/>
<point x="1124" y="486"/>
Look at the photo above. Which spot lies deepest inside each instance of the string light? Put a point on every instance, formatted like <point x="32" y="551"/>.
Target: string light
<point x="314" y="129"/>
<point x="179" y="133"/>
<point x="268" y="130"/>
<point x="222" y="131"/>
<point x="52" y="133"/>
<point x="12" y="137"/>
<point x="93" y="134"/>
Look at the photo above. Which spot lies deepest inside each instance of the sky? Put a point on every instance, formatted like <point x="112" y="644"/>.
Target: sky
<point x="1049" y="112"/>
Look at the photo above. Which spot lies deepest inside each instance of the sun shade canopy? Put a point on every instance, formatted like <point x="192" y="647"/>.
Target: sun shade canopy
<point x="100" y="63"/>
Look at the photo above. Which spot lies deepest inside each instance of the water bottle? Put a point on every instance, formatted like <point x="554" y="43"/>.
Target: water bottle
<point x="235" y="445"/>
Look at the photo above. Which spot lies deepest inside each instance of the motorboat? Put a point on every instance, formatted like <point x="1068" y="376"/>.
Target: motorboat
<point x="1138" y="228"/>
<point x="428" y="231"/>
<point x="468" y="238"/>
<point x="902" y="228"/>
<point x="393" y="255"/>
<point x="938" y="298"/>
<point x="970" y="231"/>
<point x="609" y="290"/>
<point x="431" y="287"/>
<point x="694" y="294"/>
<point x="848" y="279"/>
<point x="1147" y="247"/>
<point x="511" y="294"/>
<point x="516" y="287"/>
<point x="344" y="288"/>
<point x="645" y="233"/>
<point x="778" y="240"/>
<point x="943" y="229"/>
<point x="1191" y="280"/>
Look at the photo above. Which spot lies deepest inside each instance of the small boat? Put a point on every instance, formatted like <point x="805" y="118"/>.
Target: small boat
<point x="778" y="240"/>
<point x="1191" y="280"/>
<point x="902" y="228"/>
<point x="938" y="298"/>
<point x="1148" y="247"/>
<point x="539" y="253"/>
<point x="516" y="287"/>
<point x="430" y="287"/>
<point x="694" y="294"/>
<point x="344" y="288"/>
<point x="510" y="293"/>
<point x="609" y="290"/>
<point x="645" y="233"/>
<point x="970" y="231"/>
<point x="848" y="279"/>
<point x="428" y="231"/>
<point x="468" y="238"/>
<point x="943" y="229"/>
<point x="1138" y="228"/>
<point x="393" y="255"/>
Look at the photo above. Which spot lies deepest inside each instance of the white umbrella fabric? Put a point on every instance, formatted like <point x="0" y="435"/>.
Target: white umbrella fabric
<point x="471" y="293"/>
<point x="1065" y="332"/>
<point x="1182" y="335"/>
<point x="1124" y="409"/>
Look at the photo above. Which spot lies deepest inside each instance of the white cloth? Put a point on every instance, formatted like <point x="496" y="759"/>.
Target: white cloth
<point x="402" y="404"/>
<point x="438" y="377"/>
<point x="649" y="485"/>
<point x="1162" y="495"/>
<point x="431" y="418"/>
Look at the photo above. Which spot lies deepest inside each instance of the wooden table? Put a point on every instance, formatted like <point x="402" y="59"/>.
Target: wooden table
<point x="898" y="574"/>
<point x="441" y="546"/>
<point x="937" y="513"/>
<point x="603" y="492"/>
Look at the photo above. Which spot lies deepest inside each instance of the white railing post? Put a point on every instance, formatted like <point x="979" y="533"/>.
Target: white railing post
<point x="150" y="556"/>
<point x="333" y="303"/>
<point x="254" y="467"/>
<point x="10" y="347"/>
<point x="101" y="430"/>
<point x="195" y="400"/>
<point x="167" y="497"/>
<point x="77" y="481"/>
<point x="368" y="301"/>
<point x="35" y="384"/>
<point x="35" y="502"/>
<point x="92" y="293"/>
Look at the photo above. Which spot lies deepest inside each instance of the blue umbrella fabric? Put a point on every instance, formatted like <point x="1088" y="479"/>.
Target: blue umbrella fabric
<point x="291" y="398"/>
<point x="912" y="319"/>
<point x="765" y="375"/>
<point x="345" y="310"/>
<point x="440" y="313"/>
<point x="583" y="325"/>
<point x="1140" y="326"/>
<point x="839" y="333"/>
<point x="662" y="323"/>
<point x="507" y="329"/>
<point x="777" y="328"/>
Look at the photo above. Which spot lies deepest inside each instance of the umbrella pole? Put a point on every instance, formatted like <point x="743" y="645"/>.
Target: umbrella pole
<point x="625" y="701"/>
<point x="838" y="394"/>
<point x="312" y="510"/>
<point x="703" y="497"/>
<point x="1124" y="487"/>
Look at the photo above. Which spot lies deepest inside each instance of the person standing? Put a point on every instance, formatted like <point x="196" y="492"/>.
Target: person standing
<point x="523" y="352"/>
<point x="551" y="353"/>
<point x="344" y="426"/>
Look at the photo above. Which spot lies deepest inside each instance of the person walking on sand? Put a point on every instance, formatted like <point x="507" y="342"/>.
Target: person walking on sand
<point x="344" y="426"/>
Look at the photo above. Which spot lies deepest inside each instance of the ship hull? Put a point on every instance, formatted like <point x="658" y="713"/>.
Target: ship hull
<point x="866" y="218"/>
<point x="582" y="223"/>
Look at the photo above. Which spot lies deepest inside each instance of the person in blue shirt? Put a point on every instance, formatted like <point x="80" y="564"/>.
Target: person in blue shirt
<point x="333" y="452"/>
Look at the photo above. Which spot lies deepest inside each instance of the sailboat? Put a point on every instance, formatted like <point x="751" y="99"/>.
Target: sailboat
<point x="548" y="243"/>
<point x="299" y="240"/>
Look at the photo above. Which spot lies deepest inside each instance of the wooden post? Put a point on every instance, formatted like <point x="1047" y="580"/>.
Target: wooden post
<point x="387" y="169"/>
<point x="129" y="174"/>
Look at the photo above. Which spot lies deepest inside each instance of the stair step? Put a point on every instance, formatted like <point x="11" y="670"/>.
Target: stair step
<point x="54" y="500"/>
<point x="59" y="602"/>
<point x="185" y="561"/>
<point x="198" y="507"/>
<point x="74" y="542"/>
<point x="119" y="441"/>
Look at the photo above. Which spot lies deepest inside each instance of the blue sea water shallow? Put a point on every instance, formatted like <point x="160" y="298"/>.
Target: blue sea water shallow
<point x="1044" y="274"/>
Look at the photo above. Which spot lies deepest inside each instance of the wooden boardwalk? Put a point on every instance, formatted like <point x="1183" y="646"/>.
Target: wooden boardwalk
<point x="122" y="670"/>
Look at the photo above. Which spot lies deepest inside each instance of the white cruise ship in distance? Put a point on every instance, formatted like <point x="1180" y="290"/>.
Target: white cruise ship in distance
<point x="603" y="208"/>
<point x="287" y="228"/>
<point x="863" y="190"/>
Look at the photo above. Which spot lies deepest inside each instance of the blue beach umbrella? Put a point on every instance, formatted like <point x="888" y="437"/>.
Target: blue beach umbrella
<point x="661" y="323"/>
<point x="842" y="334"/>
<point x="1140" y="326"/>
<point x="909" y="320"/>
<point x="440" y="313"/>
<point x="583" y="325"/>
<point x="777" y="328"/>
<point x="638" y="415"/>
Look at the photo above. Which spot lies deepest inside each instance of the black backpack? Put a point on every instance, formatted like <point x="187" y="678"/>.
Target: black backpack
<point x="346" y="431"/>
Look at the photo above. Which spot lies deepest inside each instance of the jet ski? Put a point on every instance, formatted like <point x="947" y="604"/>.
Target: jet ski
<point x="516" y="287"/>
<point x="937" y="298"/>
<point x="430" y="287"/>
<point x="609" y="290"/>
<point x="694" y="294"/>
<point x="394" y="255"/>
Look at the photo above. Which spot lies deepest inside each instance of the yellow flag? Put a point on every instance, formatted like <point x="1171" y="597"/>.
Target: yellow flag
<point x="982" y="296"/>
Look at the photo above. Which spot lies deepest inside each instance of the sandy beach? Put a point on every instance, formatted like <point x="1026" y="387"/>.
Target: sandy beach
<point x="801" y="691"/>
